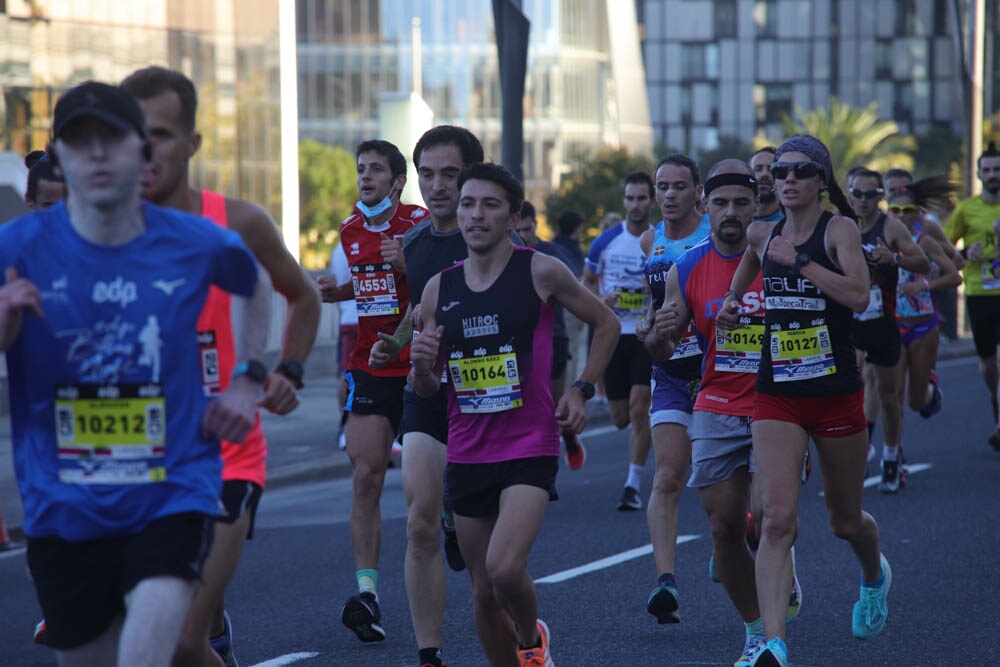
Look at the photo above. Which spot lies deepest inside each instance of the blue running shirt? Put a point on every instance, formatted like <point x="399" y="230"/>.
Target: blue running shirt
<point x="105" y="388"/>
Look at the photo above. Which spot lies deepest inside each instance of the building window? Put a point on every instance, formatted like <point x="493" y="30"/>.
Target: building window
<point x="906" y="18"/>
<point x="726" y="18"/>
<point x="942" y="18"/>
<point x="902" y="102"/>
<point x="773" y="102"/>
<point x="883" y="59"/>
<point x="699" y="61"/>
<point x="765" y="17"/>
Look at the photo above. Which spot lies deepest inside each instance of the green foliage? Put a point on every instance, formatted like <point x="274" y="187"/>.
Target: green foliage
<point x="939" y="151"/>
<point x="854" y="136"/>
<point x="327" y="192"/>
<point x="595" y="186"/>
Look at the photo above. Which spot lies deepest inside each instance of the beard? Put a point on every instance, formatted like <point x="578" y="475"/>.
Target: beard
<point x="768" y="197"/>
<point x="992" y="186"/>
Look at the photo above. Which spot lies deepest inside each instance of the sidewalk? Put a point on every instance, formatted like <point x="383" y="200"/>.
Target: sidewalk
<point x="302" y="445"/>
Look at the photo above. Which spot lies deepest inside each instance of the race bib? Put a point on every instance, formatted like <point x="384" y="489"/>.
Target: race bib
<point x="631" y="300"/>
<point x="208" y="353"/>
<point x="739" y="351"/>
<point x="991" y="274"/>
<point x="874" y="310"/>
<point x="486" y="384"/>
<point x="375" y="289"/>
<point x="111" y="434"/>
<point x="801" y="354"/>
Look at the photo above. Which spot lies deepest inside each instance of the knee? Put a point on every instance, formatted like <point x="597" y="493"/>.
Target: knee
<point x="367" y="479"/>
<point x="780" y="524"/>
<point x="845" y="526"/>
<point x="668" y="481"/>
<point x="423" y="531"/>
<point x="620" y="418"/>
<point x="505" y="572"/>
<point x="638" y="413"/>
<point x="727" y="531"/>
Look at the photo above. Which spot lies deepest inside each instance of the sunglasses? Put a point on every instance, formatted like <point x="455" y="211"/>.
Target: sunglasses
<point x="904" y="208"/>
<point x="802" y="170"/>
<point x="867" y="194"/>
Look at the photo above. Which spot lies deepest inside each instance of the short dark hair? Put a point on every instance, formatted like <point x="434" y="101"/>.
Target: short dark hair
<point x="641" y="178"/>
<point x="865" y="172"/>
<point x="40" y="168"/>
<point x="442" y="135"/>
<point x="154" y="80"/>
<point x="527" y="210"/>
<point x="896" y="172"/>
<point x="495" y="173"/>
<point x="766" y="149"/>
<point x="991" y="151"/>
<point x="681" y="160"/>
<point x="568" y="222"/>
<point x="397" y="163"/>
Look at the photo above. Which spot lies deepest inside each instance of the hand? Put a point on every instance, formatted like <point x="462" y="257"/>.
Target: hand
<point x="327" y="287"/>
<point x="611" y="300"/>
<point x="392" y="252"/>
<point x="17" y="296"/>
<point x="232" y="414"/>
<point x="781" y="251"/>
<point x="909" y="288"/>
<point x="974" y="252"/>
<point x="880" y="254"/>
<point x="280" y="395"/>
<point x="728" y="318"/>
<point x="385" y="349"/>
<point x="643" y="326"/>
<point x="571" y="411"/>
<point x="424" y="351"/>
<point x="667" y="321"/>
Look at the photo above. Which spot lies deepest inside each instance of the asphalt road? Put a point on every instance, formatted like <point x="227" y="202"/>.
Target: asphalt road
<point x="939" y="533"/>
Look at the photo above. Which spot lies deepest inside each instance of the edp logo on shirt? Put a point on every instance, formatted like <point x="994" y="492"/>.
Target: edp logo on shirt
<point x="117" y="291"/>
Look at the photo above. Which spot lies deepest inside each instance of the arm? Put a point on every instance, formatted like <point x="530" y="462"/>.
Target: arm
<point x="911" y="257"/>
<point x="948" y="275"/>
<point x="16" y="296"/>
<point x="426" y="352"/>
<point x="670" y="321"/>
<point x="388" y="346"/>
<point x="554" y="282"/>
<point x="935" y="231"/>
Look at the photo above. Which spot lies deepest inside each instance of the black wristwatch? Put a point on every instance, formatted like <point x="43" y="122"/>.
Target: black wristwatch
<point x="587" y="389"/>
<point x="801" y="259"/>
<point x="253" y="369"/>
<point x="293" y="371"/>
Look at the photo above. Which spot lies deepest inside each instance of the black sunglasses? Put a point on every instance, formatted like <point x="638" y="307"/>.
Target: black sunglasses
<point x="802" y="170"/>
<point x="867" y="194"/>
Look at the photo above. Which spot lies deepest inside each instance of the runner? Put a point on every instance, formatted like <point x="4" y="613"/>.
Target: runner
<point x="372" y="236"/>
<point x="887" y="245"/>
<point x="116" y="546"/>
<point x="974" y="223"/>
<point x="169" y="101"/>
<point x="503" y="445"/>
<point x="768" y="209"/>
<point x="720" y="428"/>
<point x="614" y="273"/>
<point x="915" y="312"/>
<point x="432" y="246"/>
<point x="45" y="184"/>
<point x="808" y="384"/>
<point x="575" y="452"/>
<point x="347" y="326"/>
<point x="675" y="381"/>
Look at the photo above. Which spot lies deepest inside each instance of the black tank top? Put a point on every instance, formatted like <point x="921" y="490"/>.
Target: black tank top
<point x="882" y="303"/>
<point x="807" y="350"/>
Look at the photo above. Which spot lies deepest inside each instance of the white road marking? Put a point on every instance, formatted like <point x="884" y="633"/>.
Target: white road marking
<point x="911" y="468"/>
<point x="600" y="430"/>
<point x="13" y="552"/>
<point x="288" y="659"/>
<point x="605" y="563"/>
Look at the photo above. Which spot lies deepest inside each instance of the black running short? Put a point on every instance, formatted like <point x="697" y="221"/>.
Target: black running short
<point x="879" y="340"/>
<point x="81" y="586"/>
<point x="425" y="415"/>
<point x="474" y="488"/>
<point x="630" y="366"/>
<point x="238" y="497"/>
<point x="368" y="394"/>
<point x="984" y="320"/>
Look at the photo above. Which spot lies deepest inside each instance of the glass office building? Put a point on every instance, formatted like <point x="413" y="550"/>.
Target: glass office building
<point x="231" y="55"/>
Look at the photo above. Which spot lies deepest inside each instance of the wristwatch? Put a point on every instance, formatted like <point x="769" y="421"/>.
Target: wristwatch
<point x="801" y="259"/>
<point x="293" y="371"/>
<point x="253" y="369"/>
<point x="587" y="389"/>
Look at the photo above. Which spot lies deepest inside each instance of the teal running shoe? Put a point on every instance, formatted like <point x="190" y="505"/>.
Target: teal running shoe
<point x="663" y="603"/>
<point x="773" y="654"/>
<point x="752" y="646"/>
<point x="713" y="574"/>
<point x="871" y="610"/>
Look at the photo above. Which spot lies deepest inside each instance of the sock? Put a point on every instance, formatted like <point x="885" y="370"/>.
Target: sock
<point x="537" y="644"/>
<point x="431" y="656"/>
<point x="875" y="584"/>
<point x="367" y="581"/>
<point x="220" y="643"/>
<point x="667" y="578"/>
<point x="871" y="431"/>
<point x="448" y="519"/>
<point x="890" y="453"/>
<point x="634" y="475"/>
<point x="755" y="627"/>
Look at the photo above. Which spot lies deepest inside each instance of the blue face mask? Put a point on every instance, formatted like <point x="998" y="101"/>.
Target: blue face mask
<point x="373" y="211"/>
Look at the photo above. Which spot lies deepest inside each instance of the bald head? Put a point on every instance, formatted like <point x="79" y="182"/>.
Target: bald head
<point x="730" y="166"/>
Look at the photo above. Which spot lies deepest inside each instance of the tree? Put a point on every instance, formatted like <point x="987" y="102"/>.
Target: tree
<point x="938" y="151"/>
<point x="327" y="192"/>
<point x="854" y="136"/>
<point x="595" y="186"/>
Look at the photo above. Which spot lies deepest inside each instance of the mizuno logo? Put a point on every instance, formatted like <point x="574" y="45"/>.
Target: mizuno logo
<point x="449" y="306"/>
<point x="169" y="287"/>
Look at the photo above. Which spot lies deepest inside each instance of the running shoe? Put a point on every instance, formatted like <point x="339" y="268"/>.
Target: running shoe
<point x="753" y="645"/>
<point x="713" y="574"/>
<point x="630" y="500"/>
<point x="807" y="467"/>
<point x="40" y="632"/>
<point x="753" y="542"/>
<point x="934" y="406"/>
<point x="341" y="442"/>
<point x="794" y="599"/>
<point x="663" y="603"/>
<point x="223" y="646"/>
<point x="361" y="615"/>
<point x="772" y="654"/>
<point x="452" y="552"/>
<point x="540" y="656"/>
<point x="872" y="610"/>
<point x="890" y="477"/>
<point x="576" y="455"/>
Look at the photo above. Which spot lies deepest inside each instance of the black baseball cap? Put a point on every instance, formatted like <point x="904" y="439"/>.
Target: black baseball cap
<point x="112" y="104"/>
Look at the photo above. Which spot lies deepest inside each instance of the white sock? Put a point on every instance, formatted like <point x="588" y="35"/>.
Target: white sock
<point x="634" y="475"/>
<point x="890" y="453"/>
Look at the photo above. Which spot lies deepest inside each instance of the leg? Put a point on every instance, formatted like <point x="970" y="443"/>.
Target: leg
<point x="923" y="358"/>
<point x="156" y="609"/>
<point x="779" y="448"/>
<point x="638" y="415"/>
<point x="426" y="583"/>
<point x="991" y="375"/>
<point x="97" y="653"/>
<point x="618" y="409"/>
<point x="368" y="440"/>
<point x="726" y="506"/>
<point x="204" y="619"/>
<point x="672" y="451"/>
<point x="886" y="378"/>
<point x="872" y="403"/>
